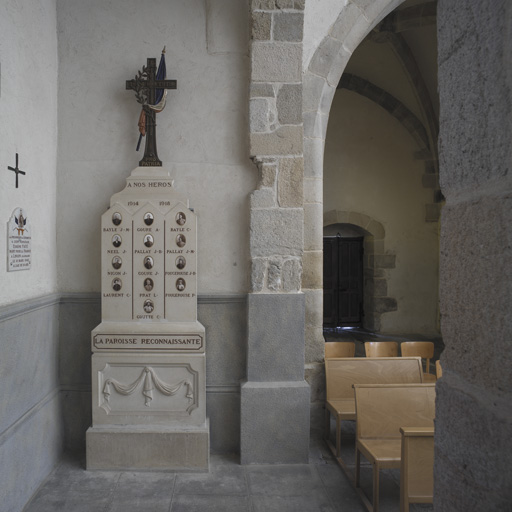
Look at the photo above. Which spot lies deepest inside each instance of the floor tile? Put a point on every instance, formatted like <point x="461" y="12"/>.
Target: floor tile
<point x="346" y="499"/>
<point x="145" y="485"/>
<point x="70" y="483"/>
<point x="46" y="503"/>
<point x="68" y="504"/>
<point x="319" y="452"/>
<point x="290" y="480"/>
<point x="333" y="476"/>
<point x="210" y="503"/>
<point x="223" y="479"/>
<point x="140" y="504"/>
<point x="316" y="502"/>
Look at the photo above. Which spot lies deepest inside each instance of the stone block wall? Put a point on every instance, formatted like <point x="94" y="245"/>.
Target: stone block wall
<point x="473" y="445"/>
<point x="275" y="109"/>
<point x="275" y="388"/>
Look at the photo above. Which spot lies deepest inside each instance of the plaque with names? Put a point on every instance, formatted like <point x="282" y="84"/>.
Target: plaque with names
<point x="19" y="241"/>
<point x="181" y="263"/>
<point x="149" y="261"/>
<point x="116" y="241"/>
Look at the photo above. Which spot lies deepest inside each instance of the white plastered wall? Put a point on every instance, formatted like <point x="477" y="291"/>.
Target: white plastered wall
<point x="201" y="134"/>
<point x="28" y="111"/>
<point x="369" y="168"/>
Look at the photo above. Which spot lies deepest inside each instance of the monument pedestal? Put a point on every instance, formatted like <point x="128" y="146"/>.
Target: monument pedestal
<point x="148" y="363"/>
<point x="148" y="448"/>
<point x="148" y="407"/>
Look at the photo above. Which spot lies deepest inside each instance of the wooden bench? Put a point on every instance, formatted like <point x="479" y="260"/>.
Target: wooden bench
<point x="417" y="466"/>
<point x="342" y="373"/>
<point x="424" y="349"/>
<point x="339" y="349"/>
<point x="381" y="411"/>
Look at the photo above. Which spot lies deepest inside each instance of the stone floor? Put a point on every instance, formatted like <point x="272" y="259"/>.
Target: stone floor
<point x="320" y="486"/>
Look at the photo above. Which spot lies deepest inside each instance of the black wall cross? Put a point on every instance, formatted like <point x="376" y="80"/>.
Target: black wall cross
<point x="16" y="170"/>
<point x="147" y="83"/>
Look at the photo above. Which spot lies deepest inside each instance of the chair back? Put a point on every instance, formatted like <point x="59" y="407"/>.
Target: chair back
<point x="383" y="408"/>
<point x="340" y="349"/>
<point x="423" y="349"/>
<point x="342" y="373"/>
<point x="381" y="348"/>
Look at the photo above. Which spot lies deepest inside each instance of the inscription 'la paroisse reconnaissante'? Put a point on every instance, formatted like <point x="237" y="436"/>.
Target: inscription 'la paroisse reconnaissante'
<point x="148" y="341"/>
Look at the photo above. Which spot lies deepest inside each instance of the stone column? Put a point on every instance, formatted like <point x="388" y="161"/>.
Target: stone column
<point x="473" y="445"/>
<point x="275" y="397"/>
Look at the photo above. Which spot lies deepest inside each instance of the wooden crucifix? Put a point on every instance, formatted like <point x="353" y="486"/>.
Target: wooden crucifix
<point x="147" y="84"/>
<point x="16" y="170"/>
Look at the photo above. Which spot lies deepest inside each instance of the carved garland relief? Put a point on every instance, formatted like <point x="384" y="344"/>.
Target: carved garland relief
<point x="150" y="381"/>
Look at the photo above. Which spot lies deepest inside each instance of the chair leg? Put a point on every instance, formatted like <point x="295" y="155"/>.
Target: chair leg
<point x="404" y="502"/>
<point x="358" y="467"/>
<point x="404" y="491"/>
<point x="375" y="487"/>
<point x="338" y="436"/>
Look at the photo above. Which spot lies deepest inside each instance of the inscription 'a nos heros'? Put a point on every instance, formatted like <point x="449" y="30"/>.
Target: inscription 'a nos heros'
<point x="150" y="184"/>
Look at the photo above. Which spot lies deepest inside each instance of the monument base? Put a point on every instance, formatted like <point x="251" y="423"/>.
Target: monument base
<point x="148" y="448"/>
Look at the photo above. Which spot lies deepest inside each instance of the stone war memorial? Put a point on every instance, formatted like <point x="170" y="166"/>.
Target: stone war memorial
<point x="148" y="362"/>
<point x="386" y="122"/>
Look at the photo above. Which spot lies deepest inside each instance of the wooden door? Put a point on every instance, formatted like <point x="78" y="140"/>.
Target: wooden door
<point x="343" y="281"/>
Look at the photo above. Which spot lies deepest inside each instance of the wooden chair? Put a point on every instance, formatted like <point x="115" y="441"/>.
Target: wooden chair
<point x="423" y="349"/>
<point x="340" y="349"/>
<point x="381" y="411"/>
<point x="417" y="466"/>
<point x="439" y="369"/>
<point x="342" y="373"/>
<point x="381" y="348"/>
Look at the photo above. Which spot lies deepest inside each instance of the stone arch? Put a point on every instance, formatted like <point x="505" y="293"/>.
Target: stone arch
<point x="377" y="261"/>
<point x="320" y="81"/>
<point x="288" y="111"/>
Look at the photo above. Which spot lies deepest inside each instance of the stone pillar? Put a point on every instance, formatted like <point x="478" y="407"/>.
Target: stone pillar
<point x="275" y="397"/>
<point x="473" y="445"/>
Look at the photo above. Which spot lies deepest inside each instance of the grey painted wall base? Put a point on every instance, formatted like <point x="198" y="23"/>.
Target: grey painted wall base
<point x="31" y="440"/>
<point x="275" y="398"/>
<point x="128" y="448"/>
<point x="274" y="423"/>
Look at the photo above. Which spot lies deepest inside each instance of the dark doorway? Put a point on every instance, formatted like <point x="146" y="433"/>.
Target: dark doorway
<point x="343" y="281"/>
